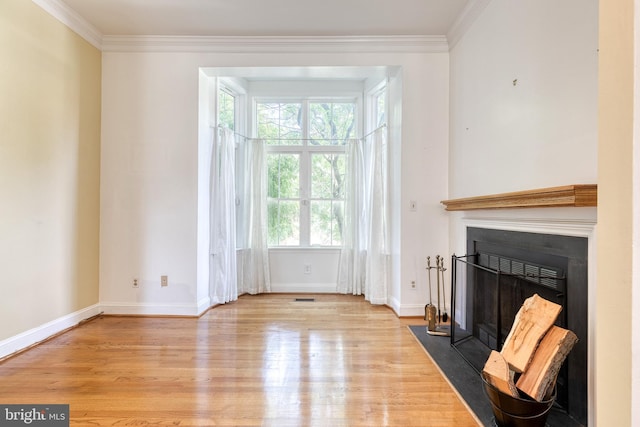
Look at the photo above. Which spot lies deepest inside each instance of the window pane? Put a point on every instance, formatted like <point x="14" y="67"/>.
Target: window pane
<point x="283" y="185"/>
<point x="326" y="222"/>
<point x="283" y="176"/>
<point x="283" y="218"/>
<point x="280" y="123"/>
<point x="331" y="123"/>
<point x="226" y="109"/>
<point x="327" y="176"/>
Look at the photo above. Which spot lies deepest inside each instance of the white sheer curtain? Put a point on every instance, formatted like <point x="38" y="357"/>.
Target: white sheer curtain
<point x="352" y="257"/>
<point x="223" y="277"/>
<point x="365" y="257"/>
<point x="255" y="275"/>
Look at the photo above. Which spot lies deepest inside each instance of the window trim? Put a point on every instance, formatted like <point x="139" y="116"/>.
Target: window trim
<point x="372" y="95"/>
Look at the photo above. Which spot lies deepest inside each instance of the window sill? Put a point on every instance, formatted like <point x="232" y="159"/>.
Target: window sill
<point x="314" y="249"/>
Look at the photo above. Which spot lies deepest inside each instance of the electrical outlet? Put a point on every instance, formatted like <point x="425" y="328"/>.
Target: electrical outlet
<point x="413" y="284"/>
<point x="307" y="269"/>
<point x="135" y="283"/>
<point x="164" y="280"/>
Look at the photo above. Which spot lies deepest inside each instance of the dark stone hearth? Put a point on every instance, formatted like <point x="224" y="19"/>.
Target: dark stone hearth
<point x="467" y="381"/>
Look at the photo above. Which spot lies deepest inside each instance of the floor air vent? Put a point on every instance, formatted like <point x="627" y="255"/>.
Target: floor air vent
<point x="305" y="300"/>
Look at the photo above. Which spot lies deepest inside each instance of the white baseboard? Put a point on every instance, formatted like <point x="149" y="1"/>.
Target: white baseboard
<point x="203" y="305"/>
<point x="150" y="309"/>
<point x="308" y="288"/>
<point x="411" y="310"/>
<point x="394" y="305"/>
<point x="33" y="336"/>
<point x="407" y="310"/>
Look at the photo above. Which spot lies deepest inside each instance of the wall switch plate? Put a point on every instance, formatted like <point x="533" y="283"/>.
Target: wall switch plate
<point x="164" y="280"/>
<point x="413" y="205"/>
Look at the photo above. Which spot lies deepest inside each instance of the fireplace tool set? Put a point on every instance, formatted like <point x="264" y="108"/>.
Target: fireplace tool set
<point x="432" y="314"/>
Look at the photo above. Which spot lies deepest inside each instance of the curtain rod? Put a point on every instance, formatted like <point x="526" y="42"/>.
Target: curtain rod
<point x="220" y="127"/>
<point x="384" y="125"/>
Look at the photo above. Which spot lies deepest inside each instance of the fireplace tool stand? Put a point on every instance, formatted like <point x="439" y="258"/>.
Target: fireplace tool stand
<point x="433" y="315"/>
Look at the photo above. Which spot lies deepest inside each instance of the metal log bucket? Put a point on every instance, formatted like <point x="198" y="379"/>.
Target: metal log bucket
<point x="512" y="411"/>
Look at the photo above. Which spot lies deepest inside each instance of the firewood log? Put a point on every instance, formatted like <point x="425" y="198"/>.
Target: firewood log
<point x="497" y="373"/>
<point x="532" y="321"/>
<point x="540" y="377"/>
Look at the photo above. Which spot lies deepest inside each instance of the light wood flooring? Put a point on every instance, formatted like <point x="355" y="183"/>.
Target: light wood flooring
<point x="260" y="361"/>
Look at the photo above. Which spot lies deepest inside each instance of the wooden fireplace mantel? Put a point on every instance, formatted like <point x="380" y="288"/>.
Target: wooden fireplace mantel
<point x="568" y="195"/>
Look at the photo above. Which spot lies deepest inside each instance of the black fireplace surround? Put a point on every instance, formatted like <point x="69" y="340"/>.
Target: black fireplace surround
<point x="503" y="268"/>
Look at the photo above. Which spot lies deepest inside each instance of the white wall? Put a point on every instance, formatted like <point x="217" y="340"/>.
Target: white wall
<point x="542" y="131"/>
<point x="206" y="112"/>
<point x="423" y="179"/>
<point x="150" y="169"/>
<point x="149" y="183"/>
<point x="288" y="272"/>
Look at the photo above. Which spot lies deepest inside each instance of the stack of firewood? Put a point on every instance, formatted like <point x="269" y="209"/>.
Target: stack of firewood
<point x="533" y="352"/>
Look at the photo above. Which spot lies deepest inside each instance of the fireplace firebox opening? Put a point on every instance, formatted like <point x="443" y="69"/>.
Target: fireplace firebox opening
<point x="503" y="268"/>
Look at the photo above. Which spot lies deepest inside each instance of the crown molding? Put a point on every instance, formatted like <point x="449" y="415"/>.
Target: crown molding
<point x="245" y="44"/>
<point x="251" y="44"/>
<point x="465" y="20"/>
<point x="71" y="19"/>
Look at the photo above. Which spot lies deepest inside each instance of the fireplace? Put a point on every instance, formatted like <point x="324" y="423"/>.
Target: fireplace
<point x="500" y="270"/>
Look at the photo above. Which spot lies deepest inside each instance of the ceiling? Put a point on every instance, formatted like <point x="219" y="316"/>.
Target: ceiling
<point x="295" y="18"/>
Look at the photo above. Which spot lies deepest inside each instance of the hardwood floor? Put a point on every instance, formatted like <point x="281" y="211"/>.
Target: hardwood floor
<point x="260" y="361"/>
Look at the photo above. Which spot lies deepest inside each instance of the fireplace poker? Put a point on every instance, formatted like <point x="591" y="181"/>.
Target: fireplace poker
<point x="441" y="270"/>
<point x="438" y="285"/>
